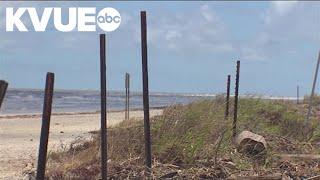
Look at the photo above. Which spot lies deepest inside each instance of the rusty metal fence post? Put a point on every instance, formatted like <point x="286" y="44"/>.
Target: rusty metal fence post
<point x="3" y="90"/>
<point x="46" y="115"/>
<point x="226" y="115"/>
<point x="236" y="96"/>
<point x="126" y="97"/>
<point x="145" y="90"/>
<point x="103" y="93"/>
<point x="127" y="105"/>
<point x="298" y="94"/>
<point x="127" y="83"/>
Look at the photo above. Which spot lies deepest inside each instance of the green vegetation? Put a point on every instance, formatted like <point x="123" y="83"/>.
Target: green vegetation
<point x="315" y="100"/>
<point x="196" y="139"/>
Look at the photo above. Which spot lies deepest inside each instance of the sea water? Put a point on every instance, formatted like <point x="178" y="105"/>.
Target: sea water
<point x="26" y="101"/>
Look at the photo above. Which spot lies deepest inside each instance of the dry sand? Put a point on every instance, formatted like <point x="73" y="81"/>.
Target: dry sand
<point x="19" y="136"/>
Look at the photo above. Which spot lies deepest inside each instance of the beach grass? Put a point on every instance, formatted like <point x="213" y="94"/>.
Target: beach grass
<point x="195" y="137"/>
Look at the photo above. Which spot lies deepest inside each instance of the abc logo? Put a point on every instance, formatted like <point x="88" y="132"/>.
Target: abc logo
<point x="108" y="19"/>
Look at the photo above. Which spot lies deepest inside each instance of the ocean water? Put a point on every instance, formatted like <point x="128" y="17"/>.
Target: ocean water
<point x="20" y="101"/>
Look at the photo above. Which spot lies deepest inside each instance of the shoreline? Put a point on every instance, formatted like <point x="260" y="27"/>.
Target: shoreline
<point x="38" y="115"/>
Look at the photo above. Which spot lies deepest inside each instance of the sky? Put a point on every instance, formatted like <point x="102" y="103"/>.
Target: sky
<point x="192" y="47"/>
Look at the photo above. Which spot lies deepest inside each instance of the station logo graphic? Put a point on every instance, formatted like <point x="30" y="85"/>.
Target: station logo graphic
<point x="84" y="19"/>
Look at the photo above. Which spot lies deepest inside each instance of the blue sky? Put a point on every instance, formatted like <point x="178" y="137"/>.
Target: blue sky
<point x="192" y="47"/>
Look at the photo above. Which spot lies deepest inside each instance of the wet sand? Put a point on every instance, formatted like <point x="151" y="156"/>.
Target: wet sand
<point x="19" y="136"/>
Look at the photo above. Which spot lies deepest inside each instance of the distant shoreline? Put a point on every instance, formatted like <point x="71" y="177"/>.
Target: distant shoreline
<point x="38" y="115"/>
<point x="159" y="93"/>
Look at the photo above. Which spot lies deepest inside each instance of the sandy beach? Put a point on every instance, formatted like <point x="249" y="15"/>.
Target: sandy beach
<point x="19" y="136"/>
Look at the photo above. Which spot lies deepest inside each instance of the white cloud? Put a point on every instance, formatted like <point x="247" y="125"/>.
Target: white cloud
<point x="287" y="26"/>
<point x="252" y="54"/>
<point x="278" y="9"/>
<point x="125" y="18"/>
<point x="282" y="7"/>
<point x="208" y="14"/>
<point x="199" y="30"/>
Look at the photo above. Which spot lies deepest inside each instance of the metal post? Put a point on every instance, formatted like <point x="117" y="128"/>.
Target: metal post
<point x="145" y="89"/>
<point x="127" y="86"/>
<point x="313" y="88"/>
<point x="46" y="115"/>
<point x="126" y="96"/>
<point x="236" y="94"/>
<point x="3" y="90"/>
<point x="103" y="92"/>
<point x="227" y="99"/>
<point x="298" y="94"/>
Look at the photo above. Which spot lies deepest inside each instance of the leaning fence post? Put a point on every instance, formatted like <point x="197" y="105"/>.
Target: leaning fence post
<point x="103" y="97"/>
<point x="227" y="99"/>
<point x="46" y="115"/>
<point x="145" y="90"/>
<point x="312" y="91"/>
<point x="236" y="94"/>
<point x="3" y="89"/>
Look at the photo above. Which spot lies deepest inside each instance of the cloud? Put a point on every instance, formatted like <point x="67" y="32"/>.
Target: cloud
<point x="282" y="7"/>
<point x="208" y="14"/>
<point x="200" y="30"/>
<point x="287" y="26"/>
<point x="300" y="22"/>
<point x="278" y="9"/>
<point x="252" y="54"/>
